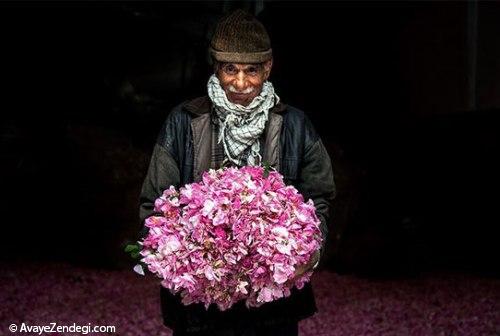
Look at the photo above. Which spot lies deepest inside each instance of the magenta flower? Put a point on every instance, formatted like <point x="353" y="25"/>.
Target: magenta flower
<point x="235" y="235"/>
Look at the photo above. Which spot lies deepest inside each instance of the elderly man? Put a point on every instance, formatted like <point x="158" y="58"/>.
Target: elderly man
<point x="241" y="122"/>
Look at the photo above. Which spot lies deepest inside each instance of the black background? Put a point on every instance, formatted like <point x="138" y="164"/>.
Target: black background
<point x="405" y="100"/>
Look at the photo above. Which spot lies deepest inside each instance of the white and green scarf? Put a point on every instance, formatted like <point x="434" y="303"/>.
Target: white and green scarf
<point x="241" y="126"/>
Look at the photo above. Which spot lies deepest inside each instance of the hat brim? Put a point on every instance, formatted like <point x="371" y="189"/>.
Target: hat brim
<point x="234" y="57"/>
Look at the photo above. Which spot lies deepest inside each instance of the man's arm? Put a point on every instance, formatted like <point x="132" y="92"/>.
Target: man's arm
<point x="163" y="172"/>
<point x="316" y="182"/>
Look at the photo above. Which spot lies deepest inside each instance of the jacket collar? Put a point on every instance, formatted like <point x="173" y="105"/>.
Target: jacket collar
<point x="202" y="105"/>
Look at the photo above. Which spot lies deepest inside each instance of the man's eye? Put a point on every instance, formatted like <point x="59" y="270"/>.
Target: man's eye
<point x="251" y="71"/>
<point x="230" y="69"/>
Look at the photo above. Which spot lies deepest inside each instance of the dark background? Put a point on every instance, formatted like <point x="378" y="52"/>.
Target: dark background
<point x="406" y="96"/>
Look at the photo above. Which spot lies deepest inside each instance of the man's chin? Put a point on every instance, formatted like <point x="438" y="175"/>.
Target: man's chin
<point x="240" y="101"/>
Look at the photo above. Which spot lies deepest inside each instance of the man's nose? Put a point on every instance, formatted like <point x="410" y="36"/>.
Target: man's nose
<point x="239" y="82"/>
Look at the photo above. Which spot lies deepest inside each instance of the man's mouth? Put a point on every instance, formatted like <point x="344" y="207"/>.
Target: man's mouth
<point x="247" y="91"/>
<point x="239" y="98"/>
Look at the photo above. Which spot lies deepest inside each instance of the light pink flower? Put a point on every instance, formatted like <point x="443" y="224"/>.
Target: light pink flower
<point x="280" y="275"/>
<point x="265" y="295"/>
<point x="170" y="244"/>
<point x="241" y="288"/>
<point x="208" y="206"/>
<point x="280" y="231"/>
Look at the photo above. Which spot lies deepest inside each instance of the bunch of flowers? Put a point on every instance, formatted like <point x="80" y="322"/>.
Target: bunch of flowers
<point x="237" y="234"/>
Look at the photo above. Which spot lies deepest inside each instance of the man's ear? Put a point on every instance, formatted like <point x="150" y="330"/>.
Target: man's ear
<point x="216" y="66"/>
<point x="268" y="65"/>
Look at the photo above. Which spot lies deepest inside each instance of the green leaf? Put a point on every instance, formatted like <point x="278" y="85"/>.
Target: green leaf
<point x="267" y="168"/>
<point x="131" y="248"/>
<point x="135" y="255"/>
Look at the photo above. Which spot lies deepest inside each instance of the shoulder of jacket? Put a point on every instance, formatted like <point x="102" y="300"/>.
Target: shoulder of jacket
<point x="197" y="106"/>
<point x="292" y="111"/>
<point x="295" y="117"/>
<point x="175" y="123"/>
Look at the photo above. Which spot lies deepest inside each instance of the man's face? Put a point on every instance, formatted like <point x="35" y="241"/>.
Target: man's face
<point x="243" y="82"/>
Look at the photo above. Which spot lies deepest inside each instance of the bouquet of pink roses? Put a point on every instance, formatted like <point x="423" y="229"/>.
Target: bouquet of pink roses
<point x="237" y="234"/>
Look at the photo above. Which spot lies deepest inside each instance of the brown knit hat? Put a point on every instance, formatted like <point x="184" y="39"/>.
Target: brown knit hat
<point x="240" y="38"/>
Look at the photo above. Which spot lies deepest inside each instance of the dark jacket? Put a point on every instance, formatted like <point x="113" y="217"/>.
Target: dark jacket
<point x="182" y="154"/>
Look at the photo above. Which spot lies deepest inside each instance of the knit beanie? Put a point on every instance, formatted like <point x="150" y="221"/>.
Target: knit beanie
<point x="240" y="38"/>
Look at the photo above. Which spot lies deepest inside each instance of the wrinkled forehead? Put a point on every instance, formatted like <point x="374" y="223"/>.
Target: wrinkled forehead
<point x="241" y="66"/>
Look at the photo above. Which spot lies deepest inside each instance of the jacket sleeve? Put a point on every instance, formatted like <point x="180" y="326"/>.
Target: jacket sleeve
<point x="163" y="172"/>
<point x="316" y="182"/>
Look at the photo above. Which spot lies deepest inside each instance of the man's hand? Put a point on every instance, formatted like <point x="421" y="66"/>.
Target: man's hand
<point x="301" y="269"/>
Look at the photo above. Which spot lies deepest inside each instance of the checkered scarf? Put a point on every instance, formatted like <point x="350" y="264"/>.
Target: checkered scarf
<point x="241" y="126"/>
